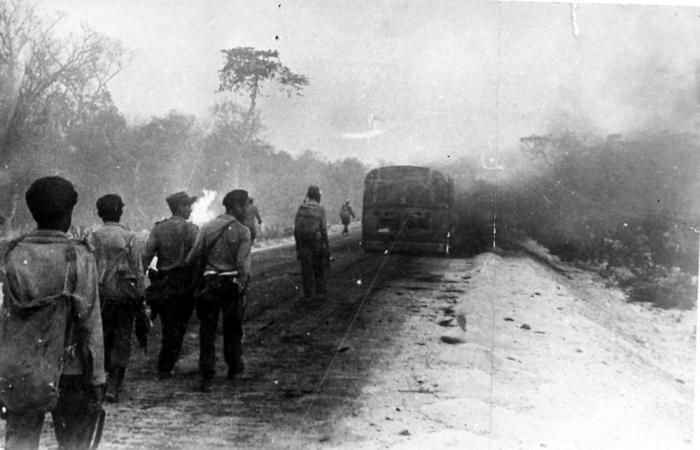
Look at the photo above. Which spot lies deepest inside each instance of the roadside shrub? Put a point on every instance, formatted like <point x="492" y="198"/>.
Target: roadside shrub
<point x="668" y="289"/>
<point x="627" y="206"/>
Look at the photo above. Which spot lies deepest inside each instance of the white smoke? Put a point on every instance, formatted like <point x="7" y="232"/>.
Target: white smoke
<point x="376" y="125"/>
<point x="201" y="209"/>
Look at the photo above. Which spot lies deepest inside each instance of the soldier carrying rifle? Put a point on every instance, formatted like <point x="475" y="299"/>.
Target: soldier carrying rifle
<point x="170" y="292"/>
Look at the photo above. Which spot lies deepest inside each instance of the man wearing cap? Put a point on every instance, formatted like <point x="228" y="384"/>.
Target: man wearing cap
<point x="39" y="267"/>
<point x="222" y="253"/>
<point x="171" y="240"/>
<point x="311" y="238"/>
<point x="120" y="275"/>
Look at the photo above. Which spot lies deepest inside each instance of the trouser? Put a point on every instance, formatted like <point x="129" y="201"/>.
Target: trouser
<point x="74" y="419"/>
<point x="220" y="296"/>
<point x="117" y="327"/>
<point x="312" y="270"/>
<point x="345" y="226"/>
<point x="174" y="320"/>
<point x="171" y="298"/>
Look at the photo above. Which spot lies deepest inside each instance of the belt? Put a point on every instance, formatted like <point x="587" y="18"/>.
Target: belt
<point x="229" y="273"/>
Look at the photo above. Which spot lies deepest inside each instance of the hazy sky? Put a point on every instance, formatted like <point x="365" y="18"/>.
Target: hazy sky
<point x="441" y="79"/>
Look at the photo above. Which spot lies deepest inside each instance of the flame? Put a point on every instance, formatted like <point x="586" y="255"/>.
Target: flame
<point x="201" y="209"/>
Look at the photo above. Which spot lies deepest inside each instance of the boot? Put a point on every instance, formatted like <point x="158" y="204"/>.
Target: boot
<point x="206" y="384"/>
<point x="237" y="369"/>
<point x="114" y="384"/>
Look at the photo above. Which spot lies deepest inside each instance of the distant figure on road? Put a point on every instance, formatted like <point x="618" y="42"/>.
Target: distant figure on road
<point x="222" y="255"/>
<point x="251" y="215"/>
<point x="170" y="292"/>
<point x="311" y="239"/>
<point x="346" y="213"/>
<point x="120" y="276"/>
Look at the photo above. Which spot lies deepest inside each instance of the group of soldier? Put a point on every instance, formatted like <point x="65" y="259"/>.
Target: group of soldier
<point x="207" y="270"/>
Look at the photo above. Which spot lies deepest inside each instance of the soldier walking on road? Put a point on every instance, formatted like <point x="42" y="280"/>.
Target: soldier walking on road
<point x="311" y="239"/>
<point x="222" y="253"/>
<point x="50" y="290"/>
<point x="251" y="215"/>
<point x="170" y="292"/>
<point x="346" y="213"/>
<point x="120" y="276"/>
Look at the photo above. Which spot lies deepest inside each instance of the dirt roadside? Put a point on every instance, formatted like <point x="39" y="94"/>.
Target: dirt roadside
<point x="368" y="368"/>
<point x="547" y="362"/>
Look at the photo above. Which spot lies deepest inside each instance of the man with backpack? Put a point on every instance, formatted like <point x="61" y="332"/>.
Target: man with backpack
<point x="170" y="292"/>
<point x="252" y="214"/>
<point x="311" y="240"/>
<point x="120" y="276"/>
<point x="51" y="298"/>
<point x="346" y="213"/>
<point x="222" y="253"/>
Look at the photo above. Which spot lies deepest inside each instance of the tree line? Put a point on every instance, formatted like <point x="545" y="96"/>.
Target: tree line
<point x="626" y="206"/>
<point x="58" y="117"/>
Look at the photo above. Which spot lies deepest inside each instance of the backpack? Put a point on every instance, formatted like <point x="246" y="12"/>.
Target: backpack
<point x="122" y="282"/>
<point x="33" y="345"/>
<point x="307" y="225"/>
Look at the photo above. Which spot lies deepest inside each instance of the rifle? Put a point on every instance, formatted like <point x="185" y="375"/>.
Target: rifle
<point x="244" y="287"/>
<point x="96" y="434"/>
<point x="153" y="295"/>
<point x="142" y="324"/>
<point x="327" y="255"/>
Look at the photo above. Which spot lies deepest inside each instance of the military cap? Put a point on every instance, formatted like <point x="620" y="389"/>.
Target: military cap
<point x="49" y="198"/>
<point x="108" y="204"/>
<point x="180" y="198"/>
<point x="236" y="197"/>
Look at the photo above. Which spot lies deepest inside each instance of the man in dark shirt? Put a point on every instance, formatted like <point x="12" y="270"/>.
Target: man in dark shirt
<point x="170" y="294"/>
<point x="311" y="238"/>
<point x="346" y="213"/>
<point x="222" y="250"/>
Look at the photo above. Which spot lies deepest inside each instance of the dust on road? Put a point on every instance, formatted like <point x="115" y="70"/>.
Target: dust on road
<point x="546" y="361"/>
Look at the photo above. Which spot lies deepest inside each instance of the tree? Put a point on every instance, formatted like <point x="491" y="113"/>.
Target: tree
<point x="245" y="71"/>
<point x="164" y="150"/>
<point x="50" y="82"/>
<point x="65" y="77"/>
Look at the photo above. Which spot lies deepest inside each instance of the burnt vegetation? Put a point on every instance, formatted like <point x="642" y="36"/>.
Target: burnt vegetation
<point x="626" y="206"/>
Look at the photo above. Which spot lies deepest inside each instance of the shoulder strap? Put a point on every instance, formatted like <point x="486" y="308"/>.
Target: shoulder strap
<point x="71" y="278"/>
<point x="11" y="246"/>
<point x="183" y="234"/>
<point x="112" y="269"/>
<point x="218" y="236"/>
<point x="69" y="286"/>
<point x="128" y="248"/>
